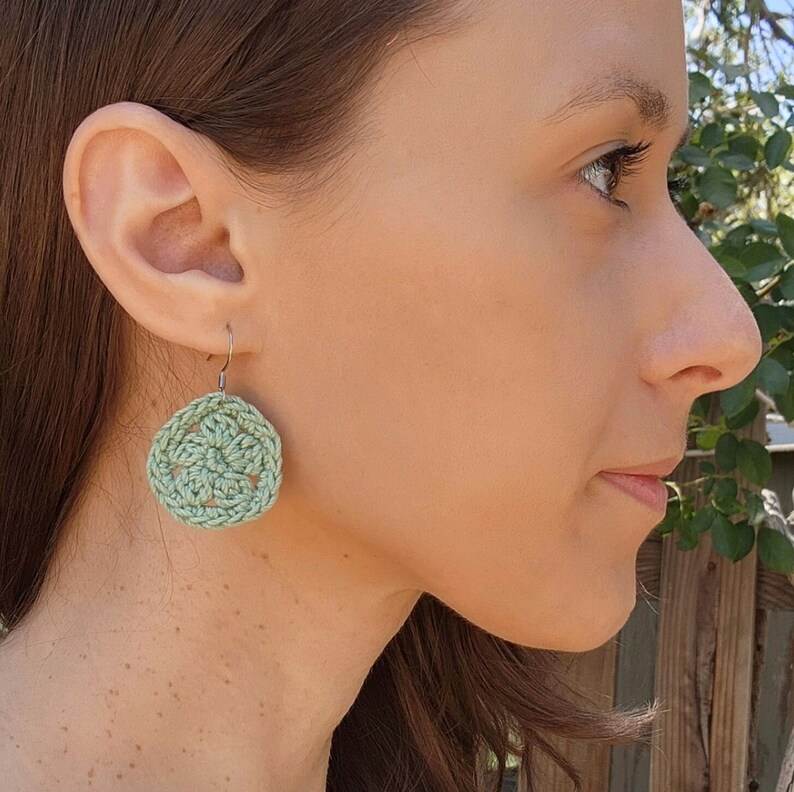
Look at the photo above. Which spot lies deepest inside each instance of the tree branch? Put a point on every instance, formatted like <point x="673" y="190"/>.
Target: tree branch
<point x="772" y="19"/>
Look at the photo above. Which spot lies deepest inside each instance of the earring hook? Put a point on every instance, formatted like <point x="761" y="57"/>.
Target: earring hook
<point x="222" y="375"/>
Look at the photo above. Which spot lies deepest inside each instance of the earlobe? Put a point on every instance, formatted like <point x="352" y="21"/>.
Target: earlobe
<point x="147" y="206"/>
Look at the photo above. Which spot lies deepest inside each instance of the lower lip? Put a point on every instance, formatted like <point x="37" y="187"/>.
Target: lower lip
<point x="647" y="489"/>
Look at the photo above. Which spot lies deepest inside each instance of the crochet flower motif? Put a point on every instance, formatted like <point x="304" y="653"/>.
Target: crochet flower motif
<point x="216" y="463"/>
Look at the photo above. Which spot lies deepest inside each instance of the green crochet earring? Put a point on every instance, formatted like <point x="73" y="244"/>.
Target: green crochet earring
<point x="217" y="461"/>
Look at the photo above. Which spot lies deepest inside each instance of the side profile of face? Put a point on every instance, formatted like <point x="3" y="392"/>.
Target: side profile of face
<point x="459" y="337"/>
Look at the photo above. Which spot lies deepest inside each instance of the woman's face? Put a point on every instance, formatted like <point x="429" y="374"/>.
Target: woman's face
<point x="465" y="331"/>
<point x="474" y="332"/>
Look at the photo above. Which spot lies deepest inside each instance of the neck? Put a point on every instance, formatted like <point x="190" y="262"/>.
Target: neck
<point x="162" y="654"/>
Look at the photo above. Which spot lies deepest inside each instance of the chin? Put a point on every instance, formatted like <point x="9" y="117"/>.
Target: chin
<point x="604" y="626"/>
<point x="580" y="630"/>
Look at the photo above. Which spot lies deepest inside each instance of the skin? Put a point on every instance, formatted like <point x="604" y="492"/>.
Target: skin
<point x="451" y="344"/>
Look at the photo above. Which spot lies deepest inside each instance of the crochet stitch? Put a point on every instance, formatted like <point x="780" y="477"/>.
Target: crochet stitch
<point x="215" y="463"/>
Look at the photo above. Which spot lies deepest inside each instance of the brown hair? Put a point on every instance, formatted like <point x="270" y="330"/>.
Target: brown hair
<point x="277" y="85"/>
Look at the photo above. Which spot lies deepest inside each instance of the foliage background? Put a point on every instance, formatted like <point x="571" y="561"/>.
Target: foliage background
<point x="736" y="183"/>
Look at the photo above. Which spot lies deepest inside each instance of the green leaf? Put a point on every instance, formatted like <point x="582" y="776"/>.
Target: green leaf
<point x="735" y="161"/>
<point x="746" y="416"/>
<point x="708" y="438"/>
<point x="785" y="403"/>
<point x="702" y="405"/>
<point x="746" y="534"/>
<point x="767" y="103"/>
<point x="786" y="284"/>
<point x="734" y="399"/>
<point x="704" y="519"/>
<point x="747" y="292"/>
<point x="744" y="144"/>
<point x="725" y="452"/>
<point x="773" y="377"/>
<point x="711" y="135"/>
<point x="700" y="87"/>
<point x="688" y="205"/>
<point x="733" y="70"/>
<point x="762" y="260"/>
<point x="732" y="266"/>
<point x="694" y="155"/>
<point x="786" y="348"/>
<point x="777" y="147"/>
<point x="785" y="228"/>
<point x="723" y="497"/>
<point x="671" y="520"/>
<point x="732" y="540"/>
<point x="754" y="461"/>
<point x="786" y="90"/>
<point x="764" y="227"/>
<point x="738" y="235"/>
<point x="706" y="467"/>
<point x="726" y="488"/>
<point x="688" y="538"/>
<point x="718" y="186"/>
<point x="761" y="253"/>
<point x="768" y="317"/>
<point x="775" y="550"/>
<point x="754" y="506"/>
<point x="761" y="272"/>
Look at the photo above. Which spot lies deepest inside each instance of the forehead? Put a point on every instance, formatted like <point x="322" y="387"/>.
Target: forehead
<point x="537" y="55"/>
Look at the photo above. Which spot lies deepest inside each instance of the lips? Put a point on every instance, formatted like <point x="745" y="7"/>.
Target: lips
<point x="648" y="490"/>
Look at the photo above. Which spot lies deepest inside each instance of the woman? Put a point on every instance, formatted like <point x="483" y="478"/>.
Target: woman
<point x="432" y="243"/>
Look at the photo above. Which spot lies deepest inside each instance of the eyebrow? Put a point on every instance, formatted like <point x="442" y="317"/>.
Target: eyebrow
<point x="652" y="104"/>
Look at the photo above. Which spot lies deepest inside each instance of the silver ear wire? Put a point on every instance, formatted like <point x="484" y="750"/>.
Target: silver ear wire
<point x="222" y="375"/>
<point x="216" y="462"/>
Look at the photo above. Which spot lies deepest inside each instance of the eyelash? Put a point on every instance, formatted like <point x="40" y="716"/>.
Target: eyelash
<point x="628" y="159"/>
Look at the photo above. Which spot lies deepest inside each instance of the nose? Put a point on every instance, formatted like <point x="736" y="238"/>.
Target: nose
<point x="704" y="337"/>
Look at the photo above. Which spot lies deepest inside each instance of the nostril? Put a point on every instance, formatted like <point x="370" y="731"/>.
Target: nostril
<point x="708" y="373"/>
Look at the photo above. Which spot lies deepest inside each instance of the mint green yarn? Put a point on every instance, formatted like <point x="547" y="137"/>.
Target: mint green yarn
<point x="214" y="445"/>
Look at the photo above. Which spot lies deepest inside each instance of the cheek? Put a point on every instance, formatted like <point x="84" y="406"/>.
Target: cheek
<point x="548" y="568"/>
<point x="440" y="411"/>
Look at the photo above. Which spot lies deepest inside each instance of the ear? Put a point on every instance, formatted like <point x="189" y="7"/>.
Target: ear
<point x="156" y="212"/>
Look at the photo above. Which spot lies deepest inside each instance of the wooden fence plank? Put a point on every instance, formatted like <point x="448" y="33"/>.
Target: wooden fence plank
<point x="776" y="699"/>
<point x="733" y="673"/>
<point x="775" y="591"/>
<point x="685" y="645"/>
<point x="735" y="653"/>
<point x="705" y="661"/>
<point x="634" y="688"/>
<point x="594" y="673"/>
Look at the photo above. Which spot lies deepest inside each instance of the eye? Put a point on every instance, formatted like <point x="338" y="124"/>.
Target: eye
<point x="610" y="169"/>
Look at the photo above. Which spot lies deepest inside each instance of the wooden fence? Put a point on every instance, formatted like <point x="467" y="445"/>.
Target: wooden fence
<point x="715" y="642"/>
